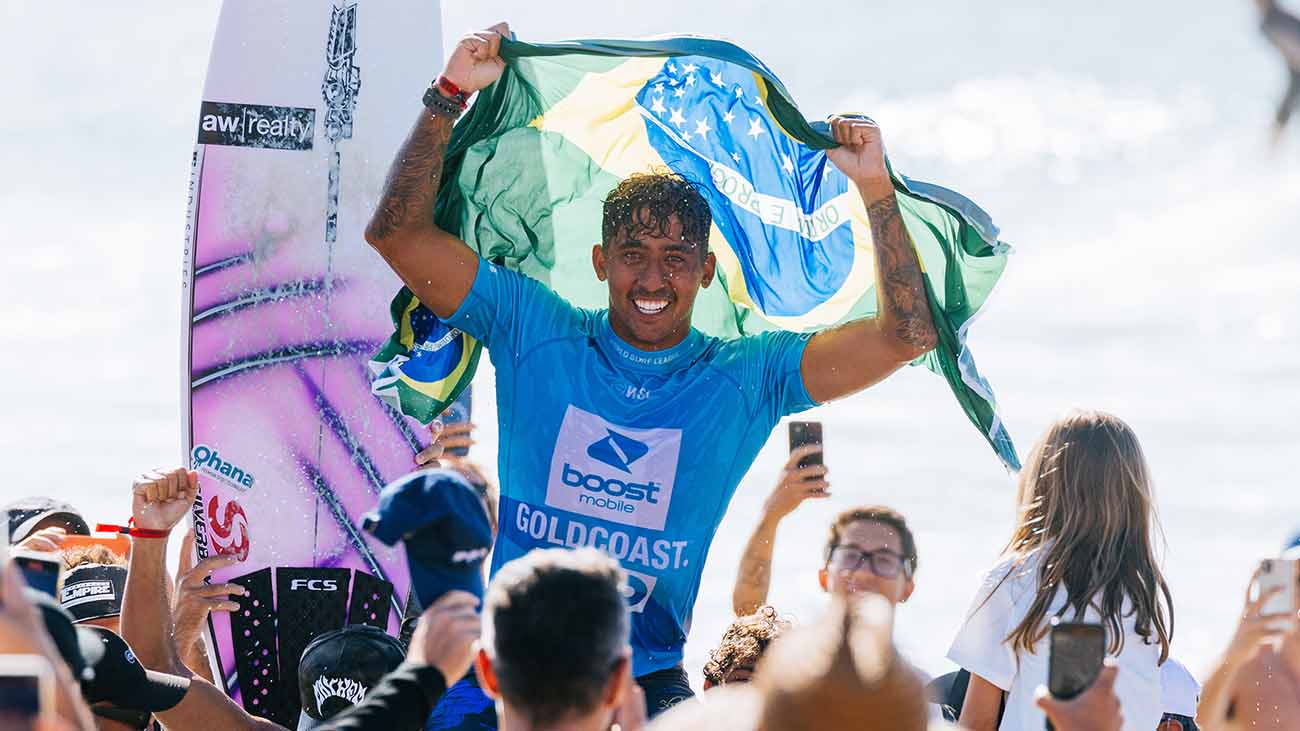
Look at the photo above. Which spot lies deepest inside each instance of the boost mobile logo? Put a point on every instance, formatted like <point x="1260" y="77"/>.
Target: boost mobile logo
<point x="255" y="125"/>
<point x="613" y="472"/>
<point x="617" y="451"/>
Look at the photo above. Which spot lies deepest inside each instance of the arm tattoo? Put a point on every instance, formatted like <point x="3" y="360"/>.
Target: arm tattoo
<point x="899" y="281"/>
<point x="412" y="185"/>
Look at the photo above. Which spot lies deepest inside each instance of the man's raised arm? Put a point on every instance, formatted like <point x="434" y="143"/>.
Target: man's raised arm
<point x="846" y="359"/>
<point x="438" y="267"/>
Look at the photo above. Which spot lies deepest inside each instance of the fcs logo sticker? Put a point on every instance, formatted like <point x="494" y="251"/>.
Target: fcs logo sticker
<point x="228" y="527"/>
<point x="638" y="589"/>
<point x="617" y="451"/>
<point x="314" y="584"/>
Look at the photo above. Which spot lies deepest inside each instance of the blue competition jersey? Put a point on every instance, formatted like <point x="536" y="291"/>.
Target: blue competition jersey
<point x="635" y="453"/>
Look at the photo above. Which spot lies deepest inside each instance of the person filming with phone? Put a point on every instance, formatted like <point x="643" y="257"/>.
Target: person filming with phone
<point x="1081" y="553"/>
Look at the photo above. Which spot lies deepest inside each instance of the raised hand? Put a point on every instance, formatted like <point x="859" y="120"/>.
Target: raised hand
<point x="446" y="437"/>
<point x="445" y="635"/>
<point x="476" y="60"/>
<point x="797" y="484"/>
<point x="861" y="154"/>
<point x="196" y="599"/>
<point x="160" y="500"/>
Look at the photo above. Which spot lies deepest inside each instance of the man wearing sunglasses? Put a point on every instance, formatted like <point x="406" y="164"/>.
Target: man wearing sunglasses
<point x="870" y="549"/>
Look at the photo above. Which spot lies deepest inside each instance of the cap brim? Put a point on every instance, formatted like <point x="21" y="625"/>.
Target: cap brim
<point x="306" y="722"/>
<point x="160" y="692"/>
<point x="431" y="582"/>
<point x="75" y="522"/>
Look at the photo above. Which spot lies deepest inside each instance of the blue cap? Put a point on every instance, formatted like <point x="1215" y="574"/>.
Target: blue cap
<point x="444" y="525"/>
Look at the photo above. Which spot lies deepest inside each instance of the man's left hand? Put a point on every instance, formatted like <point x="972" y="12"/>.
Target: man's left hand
<point x="861" y="154"/>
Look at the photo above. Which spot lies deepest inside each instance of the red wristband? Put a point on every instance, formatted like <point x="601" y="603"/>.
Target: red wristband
<point x="451" y="90"/>
<point x="130" y="530"/>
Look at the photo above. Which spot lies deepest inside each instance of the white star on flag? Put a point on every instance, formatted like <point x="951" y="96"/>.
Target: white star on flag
<point x="702" y="127"/>
<point x="657" y="106"/>
<point x="758" y="99"/>
<point x="716" y="78"/>
<point x="739" y="92"/>
<point x="672" y="69"/>
<point x="754" y="129"/>
<point x="689" y="68"/>
<point x="728" y="116"/>
<point x="686" y="135"/>
<point x="735" y="156"/>
<point x="659" y="87"/>
<point x="786" y="164"/>
<point x="690" y="80"/>
<point x="674" y="82"/>
<point x="679" y="91"/>
<point x="677" y="118"/>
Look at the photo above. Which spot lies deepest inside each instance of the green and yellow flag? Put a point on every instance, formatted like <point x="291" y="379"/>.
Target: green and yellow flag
<point x="530" y="164"/>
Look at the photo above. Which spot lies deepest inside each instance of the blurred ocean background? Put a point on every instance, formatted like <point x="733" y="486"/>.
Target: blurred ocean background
<point x="1121" y="146"/>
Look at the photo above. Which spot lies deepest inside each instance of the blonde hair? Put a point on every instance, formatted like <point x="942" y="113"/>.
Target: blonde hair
<point x="1085" y="501"/>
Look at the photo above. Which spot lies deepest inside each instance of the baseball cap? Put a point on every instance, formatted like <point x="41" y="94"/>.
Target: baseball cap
<point x="444" y="525"/>
<point x="104" y="664"/>
<point x="23" y="516"/>
<point x="93" y="591"/>
<point x="120" y="679"/>
<point x="338" y="668"/>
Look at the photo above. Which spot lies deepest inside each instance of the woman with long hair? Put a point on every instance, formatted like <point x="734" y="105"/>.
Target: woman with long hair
<point x="1081" y="551"/>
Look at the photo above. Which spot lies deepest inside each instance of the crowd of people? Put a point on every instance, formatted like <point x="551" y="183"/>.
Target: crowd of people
<point x="548" y="641"/>
<point x="549" y="637"/>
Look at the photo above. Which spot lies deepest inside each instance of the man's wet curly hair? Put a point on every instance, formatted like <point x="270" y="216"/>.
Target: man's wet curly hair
<point x="744" y="643"/>
<point x="643" y="202"/>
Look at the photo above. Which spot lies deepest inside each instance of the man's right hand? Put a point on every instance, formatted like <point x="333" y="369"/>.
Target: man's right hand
<point x="160" y="500"/>
<point x="45" y="540"/>
<point x="476" y="61"/>
<point x="797" y="484"/>
<point x="445" y="635"/>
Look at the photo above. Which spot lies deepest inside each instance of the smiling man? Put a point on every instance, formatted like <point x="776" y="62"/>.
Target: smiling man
<point x="624" y="428"/>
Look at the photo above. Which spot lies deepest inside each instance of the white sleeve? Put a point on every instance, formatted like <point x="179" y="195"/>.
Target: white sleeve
<point x="979" y="646"/>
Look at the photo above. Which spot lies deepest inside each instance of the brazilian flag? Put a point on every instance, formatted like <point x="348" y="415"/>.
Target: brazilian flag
<point x="530" y="164"/>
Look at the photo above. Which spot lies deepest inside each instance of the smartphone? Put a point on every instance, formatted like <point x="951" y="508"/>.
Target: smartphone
<point x="458" y="412"/>
<point x="806" y="432"/>
<point x="115" y="542"/>
<point x="1282" y="574"/>
<point x="1075" y="654"/>
<point x="42" y="571"/>
<point x="26" y="692"/>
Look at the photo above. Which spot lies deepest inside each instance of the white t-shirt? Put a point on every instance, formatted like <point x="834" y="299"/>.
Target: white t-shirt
<point x="1180" y="691"/>
<point x="979" y="647"/>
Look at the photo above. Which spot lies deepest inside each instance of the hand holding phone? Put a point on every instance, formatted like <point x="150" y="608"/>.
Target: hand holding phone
<point x="807" y="433"/>
<point x="42" y="571"/>
<point x="1279" y="577"/>
<point x="26" y="692"/>
<point x="1076" y="651"/>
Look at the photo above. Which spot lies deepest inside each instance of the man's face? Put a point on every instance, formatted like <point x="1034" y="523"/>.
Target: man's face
<point x="653" y="278"/>
<point x="851" y="571"/>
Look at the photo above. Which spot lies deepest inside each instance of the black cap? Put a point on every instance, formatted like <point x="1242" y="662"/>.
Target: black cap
<point x="93" y="591"/>
<point x="338" y="668"/>
<point x="121" y="680"/>
<point x="23" y="515"/>
<point x="59" y="626"/>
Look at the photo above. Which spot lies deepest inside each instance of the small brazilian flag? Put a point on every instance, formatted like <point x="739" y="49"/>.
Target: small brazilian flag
<point x="529" y="166"/>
